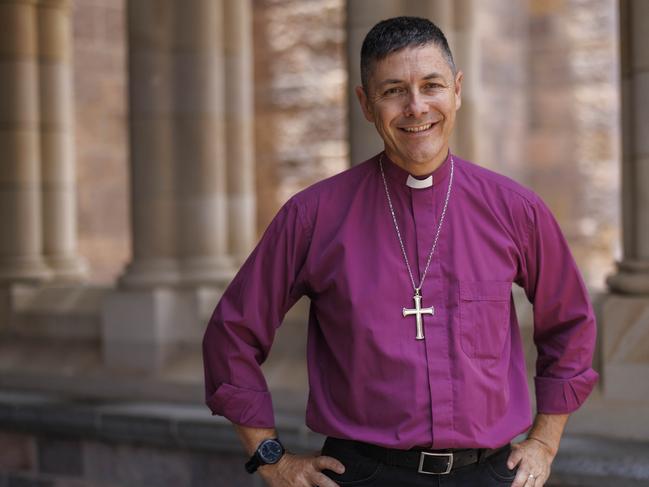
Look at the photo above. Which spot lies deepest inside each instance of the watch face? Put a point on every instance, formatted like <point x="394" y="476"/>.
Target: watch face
<point x="271" y="451"/>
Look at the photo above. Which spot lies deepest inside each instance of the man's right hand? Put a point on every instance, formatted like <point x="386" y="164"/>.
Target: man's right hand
<point x="301" y="471"/>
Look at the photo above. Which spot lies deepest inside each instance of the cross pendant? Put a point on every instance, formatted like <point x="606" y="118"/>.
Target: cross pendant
<point x="418" y="311"/>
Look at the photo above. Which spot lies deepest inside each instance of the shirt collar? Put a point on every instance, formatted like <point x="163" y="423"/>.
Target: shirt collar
<point x="400" y="175"/>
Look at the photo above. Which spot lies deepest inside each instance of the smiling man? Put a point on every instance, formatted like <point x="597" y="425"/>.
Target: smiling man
<point x="412" y="99"/>
<point x="416" y="366"/>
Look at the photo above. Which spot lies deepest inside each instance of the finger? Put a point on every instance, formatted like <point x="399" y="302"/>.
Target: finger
<point x="329" y="463"/>
<point x="530" y="481"/>
<point x="514" y="458"/>
<point x="541" y="480"/>
<point x="521" y="479"/>
<point x="321" y="480"/>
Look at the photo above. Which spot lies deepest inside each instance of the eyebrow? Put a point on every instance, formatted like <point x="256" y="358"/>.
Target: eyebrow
<point x="391" y="81"/>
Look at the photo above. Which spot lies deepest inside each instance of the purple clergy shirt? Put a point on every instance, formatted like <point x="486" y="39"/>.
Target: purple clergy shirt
<point x="465" y="384"/>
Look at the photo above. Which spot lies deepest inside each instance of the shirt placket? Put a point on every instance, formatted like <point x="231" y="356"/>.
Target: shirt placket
<point x="440" y="388"/>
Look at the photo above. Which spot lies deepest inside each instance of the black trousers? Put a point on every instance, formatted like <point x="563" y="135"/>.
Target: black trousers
<point x="362" y="471"/>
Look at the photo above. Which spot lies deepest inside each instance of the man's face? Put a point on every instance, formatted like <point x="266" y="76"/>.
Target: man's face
<point x="411" y="98"/>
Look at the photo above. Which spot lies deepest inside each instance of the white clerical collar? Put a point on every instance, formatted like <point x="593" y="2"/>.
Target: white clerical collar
<point x="419" y="183"/>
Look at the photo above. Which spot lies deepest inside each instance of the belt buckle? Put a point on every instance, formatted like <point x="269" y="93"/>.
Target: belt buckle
<point x="422" y="458"/>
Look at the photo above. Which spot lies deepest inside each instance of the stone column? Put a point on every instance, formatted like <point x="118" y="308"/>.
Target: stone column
<point x="179" y="202"/>
<point x="239" y="109"/>
<point x="633" y="270"/>
<point x="152" y="145"/>
<point x="464" y="44"/>
<point x="624" y="318"/>
<point x="57" y="140"/>
<point x="198" y="73"/>
<point x="21" y="243"/>
<point x="178" y="157"/>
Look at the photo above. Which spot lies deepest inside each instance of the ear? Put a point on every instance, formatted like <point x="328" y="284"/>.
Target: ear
<point x="459" y="77"/>
<point x="365" y="104"/>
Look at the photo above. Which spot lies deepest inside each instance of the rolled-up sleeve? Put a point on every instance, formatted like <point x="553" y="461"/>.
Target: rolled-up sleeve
<point x="564" y="321"/>
<point x="242" y="328"/>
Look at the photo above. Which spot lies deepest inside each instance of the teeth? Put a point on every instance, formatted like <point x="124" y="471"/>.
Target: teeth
<point x="418" y="129"/>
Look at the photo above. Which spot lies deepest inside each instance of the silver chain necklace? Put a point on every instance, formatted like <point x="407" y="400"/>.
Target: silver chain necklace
<point x="418" y="311"/>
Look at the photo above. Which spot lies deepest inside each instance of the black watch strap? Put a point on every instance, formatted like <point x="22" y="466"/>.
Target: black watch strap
<point x="253" y="464"/>
<point x="268" y="452"/>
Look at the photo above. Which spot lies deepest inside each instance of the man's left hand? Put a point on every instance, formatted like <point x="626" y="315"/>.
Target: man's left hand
<point x="533" y="458"/>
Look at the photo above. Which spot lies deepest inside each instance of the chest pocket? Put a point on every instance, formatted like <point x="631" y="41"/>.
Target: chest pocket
<point x="484" y="317"/>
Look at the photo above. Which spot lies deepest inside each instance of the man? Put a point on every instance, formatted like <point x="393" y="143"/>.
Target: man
<point x="416" y="368"/>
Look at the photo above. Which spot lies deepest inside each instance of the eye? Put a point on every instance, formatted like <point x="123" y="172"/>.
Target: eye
<point x="397" y="90"/>
<point x="432" y="86"/>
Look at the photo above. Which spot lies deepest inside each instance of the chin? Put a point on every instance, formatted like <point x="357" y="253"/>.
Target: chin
<point x="423" y="160"/>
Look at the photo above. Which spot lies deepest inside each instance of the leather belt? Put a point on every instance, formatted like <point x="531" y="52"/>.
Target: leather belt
<point x="434" y="462"/>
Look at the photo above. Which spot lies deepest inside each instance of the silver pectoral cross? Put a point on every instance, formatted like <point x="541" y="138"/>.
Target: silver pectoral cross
<point x="418" y="311"/>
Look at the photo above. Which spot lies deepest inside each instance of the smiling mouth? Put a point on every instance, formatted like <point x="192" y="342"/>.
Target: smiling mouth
<point x="418" y="129"/>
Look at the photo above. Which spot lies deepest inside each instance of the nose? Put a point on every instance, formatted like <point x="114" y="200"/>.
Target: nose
<point x="415" y="105"/>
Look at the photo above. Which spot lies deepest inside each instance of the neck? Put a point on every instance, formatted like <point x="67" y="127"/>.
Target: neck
<point x="418" y="168"/>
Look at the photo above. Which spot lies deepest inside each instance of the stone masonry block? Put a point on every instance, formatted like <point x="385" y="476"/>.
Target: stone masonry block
<point x="27" y="481"/>
<point x="148" y="429"/>
<point x="228" y="469"/>
<point x="60" y="456"/>
<point x="68" y="482"/>
<point x="131" y="466"/>
<point x="137" y="328"/>
<point x="142" y="328"/>
<point x="624" y="328"/>
<point x="17" y="452"/>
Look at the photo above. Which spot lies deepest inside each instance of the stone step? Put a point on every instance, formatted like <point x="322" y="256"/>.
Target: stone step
<point x="583" y="461"/>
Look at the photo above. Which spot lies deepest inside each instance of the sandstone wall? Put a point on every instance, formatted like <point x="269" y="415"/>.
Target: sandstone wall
<point x="101" y="135"/>
<point x="574" y="146"/>
<point x="300" y="97"/>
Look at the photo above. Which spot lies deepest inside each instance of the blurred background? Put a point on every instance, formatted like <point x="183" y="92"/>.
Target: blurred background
<point x="146" y="144"/>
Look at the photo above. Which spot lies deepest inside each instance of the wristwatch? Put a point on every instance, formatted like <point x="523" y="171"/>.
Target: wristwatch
<point x="268" y="452"/>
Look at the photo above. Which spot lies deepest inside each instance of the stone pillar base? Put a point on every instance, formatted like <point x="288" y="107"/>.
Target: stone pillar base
<point x="24" y="269"/>
<point x="54" y="312"/>
<point x="199" y="271"/>
<point x="14" y="298"/>
<point x="194" y="272"/>
<point x="624" y="334"/>
<point x="67" y="268"/>
<point x="632" y="277"/>
<point x="141" y="329"/>
<point x="149" y="273"/>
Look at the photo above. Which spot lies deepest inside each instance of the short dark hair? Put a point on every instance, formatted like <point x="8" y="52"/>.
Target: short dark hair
<point x="395" y="34"/>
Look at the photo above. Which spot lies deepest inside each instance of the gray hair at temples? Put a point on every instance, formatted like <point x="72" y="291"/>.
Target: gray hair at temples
<point x="395" y="34"/>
